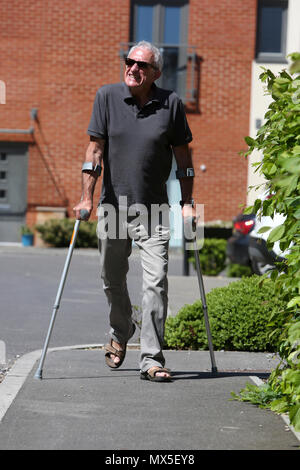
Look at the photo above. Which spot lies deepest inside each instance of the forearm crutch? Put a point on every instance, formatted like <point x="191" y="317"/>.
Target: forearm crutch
<point x="83" y="215"/>
<point x="191" y="224"/>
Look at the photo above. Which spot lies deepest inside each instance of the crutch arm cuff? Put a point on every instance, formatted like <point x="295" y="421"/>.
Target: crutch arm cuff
<point x="88" y="166"/>
<point x="188" y="173"/>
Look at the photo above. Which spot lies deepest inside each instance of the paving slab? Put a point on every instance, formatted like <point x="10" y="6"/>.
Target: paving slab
<point x="81" y="404"/>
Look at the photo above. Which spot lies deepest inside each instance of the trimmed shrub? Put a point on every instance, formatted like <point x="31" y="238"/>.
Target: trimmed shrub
<point x="242" y="316"/>
<point x="237" y="270"/>
<point x="212" y="256"/>
<point x="58" y="233"/>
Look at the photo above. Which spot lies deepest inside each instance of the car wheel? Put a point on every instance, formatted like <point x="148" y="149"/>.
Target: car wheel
<point x="260" y="268"/>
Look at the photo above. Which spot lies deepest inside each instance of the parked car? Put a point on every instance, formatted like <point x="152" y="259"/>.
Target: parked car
<point x="249" y="248"/>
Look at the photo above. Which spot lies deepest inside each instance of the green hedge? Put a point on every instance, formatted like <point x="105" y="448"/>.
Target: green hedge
<point x="212" y="256"/>
<point x="58" y="233"/>
<point x="238" y="270"/>
<point x="241" y="316"/>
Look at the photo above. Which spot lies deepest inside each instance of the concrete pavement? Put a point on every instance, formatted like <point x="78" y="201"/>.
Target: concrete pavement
<point x="81" y="404"/>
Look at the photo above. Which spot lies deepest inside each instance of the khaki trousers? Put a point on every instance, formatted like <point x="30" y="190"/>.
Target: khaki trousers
<point x="114" y="253"/>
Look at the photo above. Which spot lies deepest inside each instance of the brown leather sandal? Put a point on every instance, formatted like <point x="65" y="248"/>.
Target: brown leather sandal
<point x="120" y="353"/>
<point x="150" y="374"/>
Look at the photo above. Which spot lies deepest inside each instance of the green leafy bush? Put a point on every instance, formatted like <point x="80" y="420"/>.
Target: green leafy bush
<point x="58" y="233"/>
<point x="26" y="230"/>
<point x="212" y="256"/>
<point x="279" y="141"/>
<point x="237" y="270"/>
<point x="241" y="317"/>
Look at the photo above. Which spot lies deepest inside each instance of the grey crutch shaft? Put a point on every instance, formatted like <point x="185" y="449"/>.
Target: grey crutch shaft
<point x="39" y="372"/>
<point x="193" y="237"/>
<point x="204" y="305"/>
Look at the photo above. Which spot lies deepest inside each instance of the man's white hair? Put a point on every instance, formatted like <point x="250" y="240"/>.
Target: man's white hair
<point x="158" y="60"/>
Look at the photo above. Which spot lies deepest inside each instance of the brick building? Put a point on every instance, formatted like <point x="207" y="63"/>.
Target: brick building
<point x="54" y="55"/>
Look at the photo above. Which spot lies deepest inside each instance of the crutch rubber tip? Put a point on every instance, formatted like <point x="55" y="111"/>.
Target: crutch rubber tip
<point x="214" y="370"/>
<point x="38" y="375"/>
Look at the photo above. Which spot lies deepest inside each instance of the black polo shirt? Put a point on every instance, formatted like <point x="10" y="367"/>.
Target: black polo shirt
<point x="138" y="154"/>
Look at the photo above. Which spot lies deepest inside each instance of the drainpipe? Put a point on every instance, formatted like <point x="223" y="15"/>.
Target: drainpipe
<point x="33" y="116"/>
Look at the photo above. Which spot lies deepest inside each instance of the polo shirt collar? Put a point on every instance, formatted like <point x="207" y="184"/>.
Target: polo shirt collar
<point x="127" y="96"/>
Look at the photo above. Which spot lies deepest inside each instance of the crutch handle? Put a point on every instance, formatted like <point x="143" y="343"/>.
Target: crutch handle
<point x="190" y="228"/>
<point x="84" y="214"/>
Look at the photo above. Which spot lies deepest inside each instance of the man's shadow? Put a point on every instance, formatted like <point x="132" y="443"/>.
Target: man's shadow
<point x="176" y="375"/>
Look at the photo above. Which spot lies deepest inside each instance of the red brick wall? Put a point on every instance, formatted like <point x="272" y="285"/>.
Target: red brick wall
<point x="55" y="55"/>
<point x="224" y="33"/>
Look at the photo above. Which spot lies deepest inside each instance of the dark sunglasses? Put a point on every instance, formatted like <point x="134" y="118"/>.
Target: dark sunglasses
<point x="140" y="63"/>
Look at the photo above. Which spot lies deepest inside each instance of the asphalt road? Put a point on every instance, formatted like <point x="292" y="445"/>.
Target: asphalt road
<point x="29" y="279"/>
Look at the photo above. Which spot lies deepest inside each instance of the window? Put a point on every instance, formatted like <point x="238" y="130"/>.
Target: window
<point x="2" y="194"/>
<point x="165" y="24"/>
<point x="271" y="30"/>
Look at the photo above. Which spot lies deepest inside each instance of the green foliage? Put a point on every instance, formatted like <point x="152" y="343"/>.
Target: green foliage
<point x="58" y="233"/>
<point x="279" y="141"/>
<point x="237" y="270"/>
<point x="260" y="396"/>
<point x="26" y="230"/>
<point x="212" y="256"/>
<point x="241" y="317"/>
<point x="295" y="67"/>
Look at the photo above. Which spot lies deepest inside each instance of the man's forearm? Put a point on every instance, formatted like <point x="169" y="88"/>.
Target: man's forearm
<point x="186" y="185"/>
<point x="88" y="186"/>
<point x="184" y="161"/>
<point x="94" y="155"/>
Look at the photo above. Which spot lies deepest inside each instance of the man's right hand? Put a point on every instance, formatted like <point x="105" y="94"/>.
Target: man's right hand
<point x="83" y="208"/>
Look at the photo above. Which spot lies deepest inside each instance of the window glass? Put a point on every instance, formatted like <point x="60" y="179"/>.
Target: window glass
<point x="172" y="25"/>
<point x="144" y="23"/>
<point x="170" y="54"/>
<point x="165" y="24"/>
<point x="270" y="29"/>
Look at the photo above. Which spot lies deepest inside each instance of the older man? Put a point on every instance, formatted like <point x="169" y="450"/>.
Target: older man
<point x="135" y="128"/>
